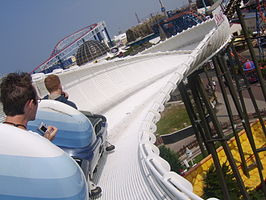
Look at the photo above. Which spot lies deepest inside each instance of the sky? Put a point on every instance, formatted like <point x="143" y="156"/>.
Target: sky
<point x="31" y="28"/>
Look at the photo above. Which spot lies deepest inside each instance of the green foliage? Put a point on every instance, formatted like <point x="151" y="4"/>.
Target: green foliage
<point x="198" y="158"/>
<point x="212" y="186"/>
<point x="133" y="50"/>
<point x="262" y="63"/>
<point x="256" y="195"/>
<point x="263" y="71"/>
<point x="143" y="29"/>
<point x="173" y="119"/>
<point x="172" y="158"/>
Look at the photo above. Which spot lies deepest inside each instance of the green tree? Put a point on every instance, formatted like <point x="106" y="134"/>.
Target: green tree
<point x="172" y="158"/>
<point x="256" y="195"/>
<point x="212" y="187"/>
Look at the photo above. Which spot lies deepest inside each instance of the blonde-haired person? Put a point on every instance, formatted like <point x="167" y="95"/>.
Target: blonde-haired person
<point x="54" y="87"/>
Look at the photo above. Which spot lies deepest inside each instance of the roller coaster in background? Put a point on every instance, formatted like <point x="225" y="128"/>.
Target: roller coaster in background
<point x="64" y="51"/>
<point x="69" y="45"/>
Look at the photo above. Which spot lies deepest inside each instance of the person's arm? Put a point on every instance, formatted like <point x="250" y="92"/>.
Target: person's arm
<point x="50" y="133"/>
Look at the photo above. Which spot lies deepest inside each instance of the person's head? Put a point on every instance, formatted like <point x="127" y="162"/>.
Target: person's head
<point x="18" y="95"/>
<point x="52" y="83"/>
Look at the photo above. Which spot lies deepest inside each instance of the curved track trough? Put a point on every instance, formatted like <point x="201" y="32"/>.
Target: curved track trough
<point x="131" y="93"/>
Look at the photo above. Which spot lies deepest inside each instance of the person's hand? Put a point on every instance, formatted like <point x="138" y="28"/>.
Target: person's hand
<point x="65" y="95"/>
<point x="50" y="133"/>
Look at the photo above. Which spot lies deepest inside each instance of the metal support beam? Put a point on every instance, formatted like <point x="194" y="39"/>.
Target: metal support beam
<point x="209" y="81"/>
<point x="244" y="119"/>
<point x="230" y="115"/>
<point x="241" y="72"/>
<point x="193" y="118"/>
<point x="251" y="50"/>
<point x="217" y="126"/>
<point x="108" y="37"/>
<point x="99" y="36"/>
<point x="197" y="100"/>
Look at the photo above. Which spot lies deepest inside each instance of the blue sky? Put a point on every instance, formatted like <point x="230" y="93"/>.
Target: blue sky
<point x="31" y="28"/>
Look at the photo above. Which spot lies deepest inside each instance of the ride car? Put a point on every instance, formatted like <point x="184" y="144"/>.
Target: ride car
<point x="81" y="135"/>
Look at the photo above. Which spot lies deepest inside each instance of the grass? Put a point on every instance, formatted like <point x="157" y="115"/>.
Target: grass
<point x="174" y="118"/>
<point x="198" y="158"/>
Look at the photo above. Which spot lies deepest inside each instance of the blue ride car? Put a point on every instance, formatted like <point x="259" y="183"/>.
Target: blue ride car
<point x="80" y="135"/>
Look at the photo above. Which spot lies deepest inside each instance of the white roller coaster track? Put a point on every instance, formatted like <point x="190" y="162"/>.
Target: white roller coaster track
<point x="131" y="92"/>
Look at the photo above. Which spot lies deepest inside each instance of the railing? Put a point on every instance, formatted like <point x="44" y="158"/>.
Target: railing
<point x="174" y="184"/>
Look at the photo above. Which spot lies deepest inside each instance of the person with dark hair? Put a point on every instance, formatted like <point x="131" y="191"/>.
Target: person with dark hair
<point x="20" y="102"/>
